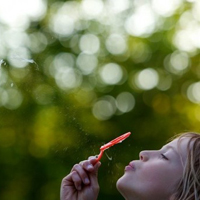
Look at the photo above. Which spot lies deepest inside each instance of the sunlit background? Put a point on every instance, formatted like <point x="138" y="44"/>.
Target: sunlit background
<point x="76" y="74"/>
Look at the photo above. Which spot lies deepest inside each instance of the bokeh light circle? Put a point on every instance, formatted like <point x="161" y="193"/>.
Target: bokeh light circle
<point x="147" y="79"/>
<point x="125" y="102"/>
<point x="116" y="44"/>
<point x="193" y="92"/>
<point x="104" y="108"/>
<point x="111" y="73"/>
<point x="87" y="63"/>
<point x="89" y="43"/>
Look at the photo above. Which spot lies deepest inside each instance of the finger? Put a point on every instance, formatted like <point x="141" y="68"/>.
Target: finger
<point x="87" y="165"/>
<point x="92" y="157"/>
<point x="76" y="180"/>
<point x="96" y="168"/>
<point x="91" y="165"/>
<point x="82" y="173"/>
<point x="67" y="180"/>
<point x="93" y="160"/>
<point x="66" y="183"/>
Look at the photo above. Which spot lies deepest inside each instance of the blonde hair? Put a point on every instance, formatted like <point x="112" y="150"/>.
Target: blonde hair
<point x="189" y="185"/>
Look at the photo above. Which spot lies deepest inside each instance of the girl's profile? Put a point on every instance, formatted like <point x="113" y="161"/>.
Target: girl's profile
<point x="170" y="173"/>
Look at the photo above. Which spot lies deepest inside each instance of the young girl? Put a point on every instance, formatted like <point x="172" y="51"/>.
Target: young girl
<point x="171" y="173"/>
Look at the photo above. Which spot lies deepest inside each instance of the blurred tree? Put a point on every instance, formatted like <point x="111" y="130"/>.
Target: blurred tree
<point x="76" y="74"/>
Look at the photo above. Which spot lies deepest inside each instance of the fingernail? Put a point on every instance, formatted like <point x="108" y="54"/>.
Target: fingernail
<point x="89" y="167"/>
<point x="87" y="181"/>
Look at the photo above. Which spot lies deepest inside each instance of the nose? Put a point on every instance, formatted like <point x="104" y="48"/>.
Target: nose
<point x="144" y="156"/>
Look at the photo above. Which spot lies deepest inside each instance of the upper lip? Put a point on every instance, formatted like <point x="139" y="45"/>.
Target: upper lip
<point x="132" y="165"/>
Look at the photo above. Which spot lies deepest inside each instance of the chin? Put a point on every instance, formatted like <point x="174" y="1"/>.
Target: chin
<point x="121" y="185"/>
<point x="122" y="189"/>
<point x="124" y="186"/>
<point x="118" y="184"/>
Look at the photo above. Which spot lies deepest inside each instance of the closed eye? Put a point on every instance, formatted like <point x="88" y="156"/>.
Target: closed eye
<point x="164" y="157"/>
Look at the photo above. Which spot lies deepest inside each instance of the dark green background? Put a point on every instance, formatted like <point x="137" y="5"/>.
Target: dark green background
<point x="39" y="143"/>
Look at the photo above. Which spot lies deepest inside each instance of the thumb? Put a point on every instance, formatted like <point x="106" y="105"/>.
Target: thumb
<point x="96" y="167"/>
<point x="94" y="174"/>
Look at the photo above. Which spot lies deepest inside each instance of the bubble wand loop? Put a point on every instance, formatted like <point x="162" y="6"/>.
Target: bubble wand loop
<point x="112" y="143"/>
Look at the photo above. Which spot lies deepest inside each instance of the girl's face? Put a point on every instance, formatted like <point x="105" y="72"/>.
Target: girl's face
<point x="156" y="174"/>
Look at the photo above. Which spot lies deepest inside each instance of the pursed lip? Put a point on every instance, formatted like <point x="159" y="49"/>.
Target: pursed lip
<point x="130" y="167"/>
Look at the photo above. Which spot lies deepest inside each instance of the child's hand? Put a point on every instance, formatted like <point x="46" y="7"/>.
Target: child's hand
<point x="82" y="182"/>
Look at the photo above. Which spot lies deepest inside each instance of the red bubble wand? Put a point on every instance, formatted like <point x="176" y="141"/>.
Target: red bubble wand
<point x="112" y="143"/>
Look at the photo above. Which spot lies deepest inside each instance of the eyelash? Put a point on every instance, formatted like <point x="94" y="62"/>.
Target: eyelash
<point x="163" y="156"/>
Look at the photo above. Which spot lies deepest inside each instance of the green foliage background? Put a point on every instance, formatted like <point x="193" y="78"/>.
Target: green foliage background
<point x="54" y="127"/>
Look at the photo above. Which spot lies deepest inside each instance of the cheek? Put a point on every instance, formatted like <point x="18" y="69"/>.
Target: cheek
<point x="150" y="178"/>
<point x="160" y="176"/>
<point x="153" y="173"/>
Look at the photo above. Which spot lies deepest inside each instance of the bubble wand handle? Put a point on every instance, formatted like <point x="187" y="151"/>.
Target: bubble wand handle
<point x="111" y="143"/>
